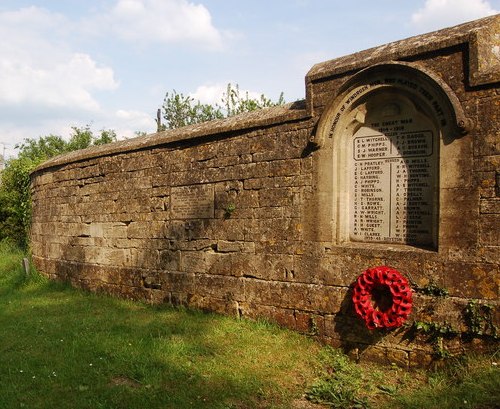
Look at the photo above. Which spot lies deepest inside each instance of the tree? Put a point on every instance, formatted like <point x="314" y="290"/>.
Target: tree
<point x="180" y="110"/>
<point x="15" y="200"/>
<point x="235" y="103"/>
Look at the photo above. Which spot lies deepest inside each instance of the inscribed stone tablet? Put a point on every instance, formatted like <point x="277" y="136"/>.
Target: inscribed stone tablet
<point x="192" y="202"/>
<point x="393" y="176"/>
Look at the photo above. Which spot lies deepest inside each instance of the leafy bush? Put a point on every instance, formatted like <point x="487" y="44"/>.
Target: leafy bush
<point x="15" y="199"/>
<point x="180" y="110"/>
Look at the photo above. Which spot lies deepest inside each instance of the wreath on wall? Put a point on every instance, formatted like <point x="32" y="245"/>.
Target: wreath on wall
<point x="382" y="298"/>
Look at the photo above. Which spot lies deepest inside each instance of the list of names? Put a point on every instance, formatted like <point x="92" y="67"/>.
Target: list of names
<point x="392" y="184"/>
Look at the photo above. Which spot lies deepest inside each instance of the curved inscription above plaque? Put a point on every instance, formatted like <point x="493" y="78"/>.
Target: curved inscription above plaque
<point x="380" y="140"/>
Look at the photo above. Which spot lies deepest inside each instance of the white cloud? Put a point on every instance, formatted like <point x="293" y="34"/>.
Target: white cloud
<point x="38" y="69"/>
<point x="437" y="14"/>
<point x="209" y="94"/>
<point x="213" y="93"/>
<point x="163" y="21"/>
<point x="130" y="122"/>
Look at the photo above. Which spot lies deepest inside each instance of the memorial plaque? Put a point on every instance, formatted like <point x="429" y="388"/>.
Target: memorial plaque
<point x="192" y="202"/>
<point x="393" y="179"/>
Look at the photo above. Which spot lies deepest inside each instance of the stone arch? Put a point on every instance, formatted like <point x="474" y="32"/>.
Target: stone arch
<point x="379" y="162"/>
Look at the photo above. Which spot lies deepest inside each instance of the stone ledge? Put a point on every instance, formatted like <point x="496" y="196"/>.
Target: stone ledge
<point x="479" y="34"/>
<point x="220" y="127"/>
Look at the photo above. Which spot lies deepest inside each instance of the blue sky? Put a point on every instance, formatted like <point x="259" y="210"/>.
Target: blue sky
<point x="109" y="63"/>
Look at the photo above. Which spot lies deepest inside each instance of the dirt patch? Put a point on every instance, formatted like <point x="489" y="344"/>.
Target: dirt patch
<point x="303" y="403"/>
<point x="124" y="381"/>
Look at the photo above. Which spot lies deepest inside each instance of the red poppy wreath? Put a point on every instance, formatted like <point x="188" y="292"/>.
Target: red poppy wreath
<point x="382" y="298"/>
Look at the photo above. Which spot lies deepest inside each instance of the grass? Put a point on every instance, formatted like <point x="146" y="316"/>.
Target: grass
<point x="469" y="381"/>
<point x="64" y="348"/>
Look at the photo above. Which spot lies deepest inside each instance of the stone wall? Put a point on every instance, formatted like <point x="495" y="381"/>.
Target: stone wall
<point x="257" y="215"/>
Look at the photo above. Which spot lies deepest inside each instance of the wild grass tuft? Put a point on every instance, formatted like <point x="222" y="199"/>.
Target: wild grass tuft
<point x="341" y="384"/>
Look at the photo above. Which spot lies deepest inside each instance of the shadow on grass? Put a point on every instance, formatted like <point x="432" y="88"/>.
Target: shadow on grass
<point x="68" y="349"/>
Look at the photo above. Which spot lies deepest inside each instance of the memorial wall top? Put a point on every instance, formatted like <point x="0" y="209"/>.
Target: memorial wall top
<point x="480" y="35"/>
<point x="221" y="127"/>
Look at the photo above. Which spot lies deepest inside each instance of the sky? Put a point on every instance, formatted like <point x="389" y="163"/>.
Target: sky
<point x="108" y="64"/>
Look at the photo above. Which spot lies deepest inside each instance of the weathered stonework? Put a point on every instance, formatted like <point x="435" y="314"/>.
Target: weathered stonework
<point x="262" y="214"/>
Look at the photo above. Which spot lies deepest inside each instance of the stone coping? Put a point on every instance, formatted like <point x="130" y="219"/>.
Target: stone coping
<point x="481" y="35"/>
<point x="484" y="60"/>
<point x="256" y="119"/>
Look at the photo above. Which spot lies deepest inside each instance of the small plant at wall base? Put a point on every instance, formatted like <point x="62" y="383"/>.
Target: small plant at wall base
<point x="342" y="384"/>
<point x="479" y="319"/>
<point x="436" y="334"/>
<point x="313" y="327"/>
<point x="433" y="289"/>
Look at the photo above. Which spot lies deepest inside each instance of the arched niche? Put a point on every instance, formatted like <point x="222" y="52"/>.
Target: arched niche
<point x="379" y="162"/>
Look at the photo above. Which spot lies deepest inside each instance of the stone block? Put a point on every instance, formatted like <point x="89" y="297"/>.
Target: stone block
<point x="374" y="354"/>
<point x="177" y="282"/>
<point x="469" y="280"/>
<point x="96" y="230"/>
<point x="280" y="316"/>
<point x="420" y="358"/>
<point x="144" y="230"/>
<point x="195" y="262"/>
<point x="489" y="230"/>
<point x="227" y="229"/>
<point x="236" y="265"/>
<point x="491" y="206"/>
<point x="268" y="213"/>
<point x="221" y="306"/>
<point x="224" y="287"/>
<point x="169" y="260"/>
<point x="458" y="164"/>
<point x="275" y="197"/>
<point x="224" y="246"/>
<point x="458" y="218"/>
<point x="258" y="292"/>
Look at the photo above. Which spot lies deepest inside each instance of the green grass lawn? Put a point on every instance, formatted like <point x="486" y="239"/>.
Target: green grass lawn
<point x="65" y="348"/>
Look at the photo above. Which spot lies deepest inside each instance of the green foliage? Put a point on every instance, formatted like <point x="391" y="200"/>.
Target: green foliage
<point x="11" y="274"/>
<point x="229" y="210"/>
<point x="434" y="290"/>
<point x="15" y="203"/>
<point x="435" y="329"/>
<point x="436" y="333"/>
<point x="477" y="316"/>
<point x="479" y="319"/>
<point x="234" y="103"/>
<point x="180" y="110"/>
<point x="15" y="200"/>
<point x="42" y="148"/>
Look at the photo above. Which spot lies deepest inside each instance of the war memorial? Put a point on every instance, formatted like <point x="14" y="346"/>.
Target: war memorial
<point x="367" y="214"/>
